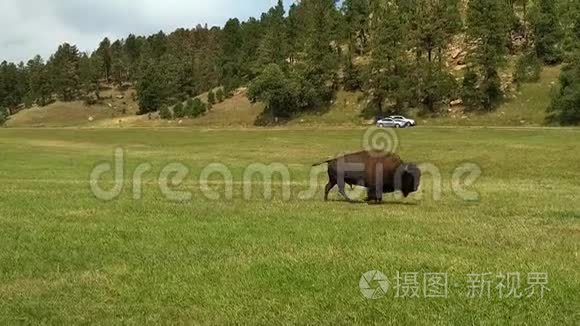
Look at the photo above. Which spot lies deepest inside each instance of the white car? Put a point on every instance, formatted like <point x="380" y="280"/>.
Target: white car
<point x="408" y="122"/>
<point x="391" y="123"/>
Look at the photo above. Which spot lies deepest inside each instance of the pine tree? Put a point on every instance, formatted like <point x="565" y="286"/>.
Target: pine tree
<point x="432" y="26"/>
<point x="65" y="73"/>
<point x="119" y="63"/>
<point x="322" y="59"/>
<point x="357" y="15"/>
<point x="296" y="23"/>
<point x="487" y="32"/>
<point x="172" y="73"/>
<point x="23" y="86"/>
<point x="386" y="70"/>
<point x="149" y="89"/>
<point x="3" y="91"/>
<point x="570" y="14"/>
<point x="12" y="90"/>
<point x="39" y="81"/>
<point x="547" y="31"/>
<point x="88" y="74"/>
<point x="35" y="70"/>
<point x="157" y="45"/>
<point x="133" y="48"/>
<point x="231" y="60"/>
<point x="104" y="51"/>
<point x="252" y="33"/>
<point x="273" y="48"/>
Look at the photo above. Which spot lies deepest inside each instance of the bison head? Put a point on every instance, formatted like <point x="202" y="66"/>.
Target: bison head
<point x="408" y="179"/>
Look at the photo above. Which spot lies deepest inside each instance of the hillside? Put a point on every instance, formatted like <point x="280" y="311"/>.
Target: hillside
<point x="527" y="108"/>
<point x="115" y="105"/>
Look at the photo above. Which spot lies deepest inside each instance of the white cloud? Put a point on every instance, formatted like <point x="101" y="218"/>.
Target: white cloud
<point x="31" y="27"/>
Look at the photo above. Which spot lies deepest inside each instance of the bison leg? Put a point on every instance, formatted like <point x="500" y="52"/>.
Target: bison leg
<point x="329" y="187"/>
<point x="342" y="189"/>
<point x="371" y="195"/>
<point x="374" y="195"/>
<point x="380" y="198"/>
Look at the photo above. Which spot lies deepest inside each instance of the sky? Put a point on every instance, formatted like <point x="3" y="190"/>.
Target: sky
<point x="30" y="27"/>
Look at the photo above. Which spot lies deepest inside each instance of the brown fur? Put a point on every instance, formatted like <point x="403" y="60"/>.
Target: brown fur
<point x="379" y="172"/>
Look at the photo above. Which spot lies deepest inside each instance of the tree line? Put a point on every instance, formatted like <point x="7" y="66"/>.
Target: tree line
<point x="395" y="52"/>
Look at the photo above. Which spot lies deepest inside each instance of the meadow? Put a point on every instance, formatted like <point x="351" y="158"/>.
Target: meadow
<point x="69" y="257"/>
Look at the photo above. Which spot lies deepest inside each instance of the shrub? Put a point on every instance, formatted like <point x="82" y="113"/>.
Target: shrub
<point x="165" y="113"/>
<point x="491" y="92"/>
<point x="435" y="87"/>
<point x="211" y="97"/>
<point x="528" y="69"/>
<point x="3" y="116"/>
<point x="44" y="101"/>
<point x="565" y="107"/>
<point x="281" y="93"/>
<point x="194" y="107"/>
<point x="179" y="110"/>
<point x="352" y="79"/>
<point x="90" y="100"/>
<point x="199" y="108"/>
<point x="124" y="87"/>
<point x="189" y="108"/>
<point x="470" y="92"/>
<point x="220" y="96"/>
<point x="28" y="101"/>
<point x="230" y="85"/>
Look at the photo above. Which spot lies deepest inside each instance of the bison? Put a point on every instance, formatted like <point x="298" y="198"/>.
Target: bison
<point x="379" y="172"/>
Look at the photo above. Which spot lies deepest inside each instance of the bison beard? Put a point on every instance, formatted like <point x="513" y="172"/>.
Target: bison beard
<point x="379" y="172"/>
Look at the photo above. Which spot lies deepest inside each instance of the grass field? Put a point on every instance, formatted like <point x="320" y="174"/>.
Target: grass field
<point x="68" y="257"/>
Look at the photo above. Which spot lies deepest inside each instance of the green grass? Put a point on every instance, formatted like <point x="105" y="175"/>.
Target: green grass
<point x="68" y="257"/>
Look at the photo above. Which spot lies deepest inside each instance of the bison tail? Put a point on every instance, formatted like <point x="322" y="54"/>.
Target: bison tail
<point x="320" y="163"/>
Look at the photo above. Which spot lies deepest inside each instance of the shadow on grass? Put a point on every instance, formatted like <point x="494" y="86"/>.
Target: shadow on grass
<point x="384" y="203"/>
